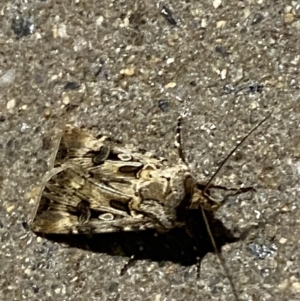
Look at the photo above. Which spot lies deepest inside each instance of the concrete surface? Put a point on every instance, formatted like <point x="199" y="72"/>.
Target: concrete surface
<point x="128" y="69"/>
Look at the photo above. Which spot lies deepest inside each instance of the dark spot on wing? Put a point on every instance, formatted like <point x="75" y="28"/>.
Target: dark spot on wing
<point x="101" y="155"/>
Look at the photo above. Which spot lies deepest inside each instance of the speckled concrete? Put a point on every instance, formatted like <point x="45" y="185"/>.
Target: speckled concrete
<point x="128" y="70"/>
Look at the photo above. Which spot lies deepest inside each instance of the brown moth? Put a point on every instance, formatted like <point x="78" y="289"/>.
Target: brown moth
<point x="97" y="186"/>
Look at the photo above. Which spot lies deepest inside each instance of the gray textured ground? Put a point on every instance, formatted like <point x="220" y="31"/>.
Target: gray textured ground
<point x="107" y="64"/>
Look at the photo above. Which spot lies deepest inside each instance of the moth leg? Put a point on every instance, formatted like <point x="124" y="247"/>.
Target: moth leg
<point x="237" y="190"/>
<point x="217" y="204"/>
<point x="130" y="263"/>
<point x="236" y="193"/>
<point x="198" y="267"/>
<point x="213" y="204"/>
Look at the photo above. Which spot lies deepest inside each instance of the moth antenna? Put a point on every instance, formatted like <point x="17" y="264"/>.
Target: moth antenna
<point x="178" y="140"/>
<point x="231" y="153"/>
<point x="221" y="259"/>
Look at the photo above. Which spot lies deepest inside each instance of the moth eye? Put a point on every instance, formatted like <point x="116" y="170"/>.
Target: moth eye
<point x="106" y="217"/>
<point x="101" y="155"/>
<point x="84" y="210"/>
<point x="124" y="157"/>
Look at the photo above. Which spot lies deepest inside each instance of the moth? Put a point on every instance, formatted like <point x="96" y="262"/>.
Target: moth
<point x="98" y="186"/>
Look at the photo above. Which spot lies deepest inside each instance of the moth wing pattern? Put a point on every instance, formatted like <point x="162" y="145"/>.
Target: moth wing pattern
<point x="81" y="148"/>
<point x="60" y="207"/>
<point x="97" y="187"/>
<point x="77" y="146"/>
